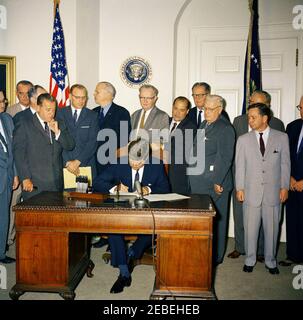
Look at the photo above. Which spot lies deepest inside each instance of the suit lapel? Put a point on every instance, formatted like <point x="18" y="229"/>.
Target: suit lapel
<point x="7" y="138"/>
<point x="150" y="119"/>
<point x="82" y="117"/>
<point x="254" y="143"/>
<point x="269" y="144"/>
<point x="37" y="124"/>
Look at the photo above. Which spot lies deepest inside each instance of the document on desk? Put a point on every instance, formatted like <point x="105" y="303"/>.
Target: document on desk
<point x="70" y="178"/>
<point x="165" y="197"/>
<point x="125" y="193"/>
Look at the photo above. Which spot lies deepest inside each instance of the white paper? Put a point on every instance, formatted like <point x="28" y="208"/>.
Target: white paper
<point x="165" y="197"/>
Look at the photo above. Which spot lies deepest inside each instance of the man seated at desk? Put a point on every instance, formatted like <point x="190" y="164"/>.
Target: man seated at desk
<point x="122" y="177"/>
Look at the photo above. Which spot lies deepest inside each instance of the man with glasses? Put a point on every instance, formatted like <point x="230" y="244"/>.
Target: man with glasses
<point x="199" y="92"/>
<point x="82" y="124"/>
<point x="149" y="117"/>
<point x="294" y="205"/>
<point x="22" y="89"/>
<point x="216" y="180"/>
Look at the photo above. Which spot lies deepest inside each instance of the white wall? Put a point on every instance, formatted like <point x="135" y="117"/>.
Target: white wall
<point x="138" y="28"/>
<point x="29" y="37"/>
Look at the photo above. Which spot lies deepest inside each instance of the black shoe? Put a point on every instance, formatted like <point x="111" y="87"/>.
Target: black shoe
<point x="102" y="242"/>
<point x="273" y="270"/>
<point x="7" y="260"/>
<point x="286" y="263"/>
<point x="260" y="258"/>
<point x="120" y="283"/>
<point x="248" y="268"/>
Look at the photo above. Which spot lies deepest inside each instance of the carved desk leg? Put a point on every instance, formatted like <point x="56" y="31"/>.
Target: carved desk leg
<point x="15" y="293"/>
<point x="68" y="295"/>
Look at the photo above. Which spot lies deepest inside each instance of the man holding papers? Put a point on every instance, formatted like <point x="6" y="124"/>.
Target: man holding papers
<point x="82" y="124"/>
<point x="122" y="177"/>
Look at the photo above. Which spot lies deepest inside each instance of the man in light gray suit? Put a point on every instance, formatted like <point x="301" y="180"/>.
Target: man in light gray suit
<point x="149" y="117"/>
<point x="241" y="127"/>
<point x="262" y="182"/>
<point x="216" y="180"/>
<point x="22" y="89"/>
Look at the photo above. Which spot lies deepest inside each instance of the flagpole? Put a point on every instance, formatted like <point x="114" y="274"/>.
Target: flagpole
<point x="56" y="2"/>
<point x="248" y="60"/>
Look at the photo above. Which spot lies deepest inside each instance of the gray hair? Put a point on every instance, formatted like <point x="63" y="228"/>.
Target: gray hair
<point x="266" y="95"/>
<point x="218" y="100"/>
<point x="149" y="86"/>
<point x="24" y="83"/>
<point x="32" y="92"/>
<point x="109" y="87"/>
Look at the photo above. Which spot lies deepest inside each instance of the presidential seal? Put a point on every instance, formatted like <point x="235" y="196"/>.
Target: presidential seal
<point x="135" y="72"/>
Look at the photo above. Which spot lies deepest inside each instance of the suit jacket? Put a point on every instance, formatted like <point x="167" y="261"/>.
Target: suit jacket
<point x="261" y="178"/>
<point x="7" y="172"/>
<point x="112" y="121"/>
<point x="24" y="115"/>
<point x="84" y="133"/>
<point x="14" y="109"/>
<point x="37" y="158"/>
<point x="157" y="119"/>
<point x="241" y="124"/>
<point x="219" y="154"/>
<point x="293" y="131"/>
<point x="192" y="115"/>
<point x="153" y="177"/>
<point x="179" y="151"/>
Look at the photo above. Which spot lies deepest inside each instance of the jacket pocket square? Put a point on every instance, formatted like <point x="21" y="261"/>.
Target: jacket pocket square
<point x="85" y="127"/>
<point x="276" y="151"/>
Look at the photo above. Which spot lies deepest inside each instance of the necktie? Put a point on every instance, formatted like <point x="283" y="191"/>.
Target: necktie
<point x="262" y="145"/>
<point x="142" y="120"/>
<point x="173" y="127"/>
<point x="199" y="118"/>
<point x="101" y="117"/>
<point x="4" y="142"/>
<point x="75" y="117"/>
<point x="137" y="178"/>
<point x="47" y="131"/>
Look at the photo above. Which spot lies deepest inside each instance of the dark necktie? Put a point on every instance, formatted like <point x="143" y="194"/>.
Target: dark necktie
<point x="101" y="117"/>
<point x="75" y="117"/>
<point x="137" y="178"/>
<point x="173" y="127"/>
<point x="3" y="141"/>
<point x="47" y="131"/>
<point x="199" y="118"/>
<point x="262" y="145"/>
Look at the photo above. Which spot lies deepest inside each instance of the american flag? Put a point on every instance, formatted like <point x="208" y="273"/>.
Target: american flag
<point x="252" y="69"/>
<point x="59" y="84"/>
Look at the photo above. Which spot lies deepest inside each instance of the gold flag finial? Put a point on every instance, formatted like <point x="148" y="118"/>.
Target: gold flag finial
<point x="55" y="4"/>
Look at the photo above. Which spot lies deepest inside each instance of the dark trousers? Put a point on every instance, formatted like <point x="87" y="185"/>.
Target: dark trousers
<point x="118" y="251"/>
<point x="5" y="198"/>
<point x="294" y="226"/>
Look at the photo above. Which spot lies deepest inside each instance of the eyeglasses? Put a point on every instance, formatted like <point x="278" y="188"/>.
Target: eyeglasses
<point x="79" y="97"/>
<point x="199" y="95"/>
<point x="211" y="109"/>
<point x="299" y="107"/>
<point x="147" y="98"/>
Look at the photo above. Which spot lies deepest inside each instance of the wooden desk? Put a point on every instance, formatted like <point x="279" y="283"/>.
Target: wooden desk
<point x="53" y="248"/>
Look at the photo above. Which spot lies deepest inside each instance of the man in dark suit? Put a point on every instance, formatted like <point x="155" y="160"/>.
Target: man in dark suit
<point x="123" y="176"/>
<point x="83" y="126"/>
<point x="199" y="92"/>
<point x="294" y="204"/>
<point x="181" y="134"/>
<point x="9" y="180"/>
<point x="37" y="147"/>
<point x="216" y="179"/>
<point x="113" y="117"/>
<point x="25" y="115"/>
<point x="241" y="127"/>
